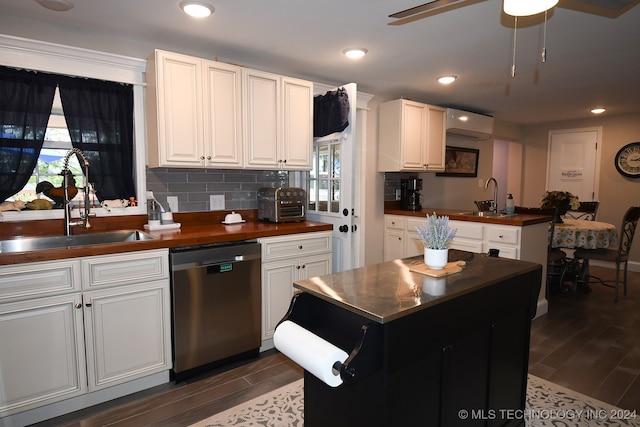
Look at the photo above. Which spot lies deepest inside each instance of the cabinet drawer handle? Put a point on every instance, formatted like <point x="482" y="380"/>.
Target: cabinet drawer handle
<point x="88" y="304"/>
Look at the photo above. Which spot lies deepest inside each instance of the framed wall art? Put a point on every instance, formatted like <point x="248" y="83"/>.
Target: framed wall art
<point x="460" y="161"/>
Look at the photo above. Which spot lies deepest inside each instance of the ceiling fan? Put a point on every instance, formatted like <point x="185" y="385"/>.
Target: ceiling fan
<point x="606" y="8"/>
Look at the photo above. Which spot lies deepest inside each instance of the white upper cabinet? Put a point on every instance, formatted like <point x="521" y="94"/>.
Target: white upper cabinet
<point x="208" y="114"/>
<point x="278" y="129"/>
<point x="411" y="137"/>
<point x="194" y="112"/>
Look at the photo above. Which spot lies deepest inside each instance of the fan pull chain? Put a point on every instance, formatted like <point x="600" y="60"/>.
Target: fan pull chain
<point x="513" y="61"/>
<point x="544" y="39"/>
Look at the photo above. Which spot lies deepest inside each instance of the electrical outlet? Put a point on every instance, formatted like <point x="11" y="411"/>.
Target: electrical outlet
<point x="216" y="202"/>
<point x="172" y="201"/>
<point x="480" y="183"/>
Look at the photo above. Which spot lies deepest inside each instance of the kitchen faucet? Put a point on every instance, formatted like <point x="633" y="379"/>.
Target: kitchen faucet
<point x="494" y="202"/>
<point x="84" y="217"/>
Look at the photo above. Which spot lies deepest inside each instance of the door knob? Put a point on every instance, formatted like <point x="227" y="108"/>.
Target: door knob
<point x="344" y="228"/>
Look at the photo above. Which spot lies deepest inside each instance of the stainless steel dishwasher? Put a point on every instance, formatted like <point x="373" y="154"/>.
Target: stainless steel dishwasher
<point x="216" y="304"/>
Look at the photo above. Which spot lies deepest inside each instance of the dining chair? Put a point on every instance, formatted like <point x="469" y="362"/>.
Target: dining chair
<point x="587" y="210"/>
<point x="619" y="255"/>
<point x="557" y="262"/>
<point x="483" y="205"/>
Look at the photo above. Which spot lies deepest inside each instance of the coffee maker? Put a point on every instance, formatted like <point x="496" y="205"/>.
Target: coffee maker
<point x="410" y="194"/>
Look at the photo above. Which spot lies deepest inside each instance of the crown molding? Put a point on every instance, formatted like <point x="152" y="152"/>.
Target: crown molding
<point x="55" y="58"/>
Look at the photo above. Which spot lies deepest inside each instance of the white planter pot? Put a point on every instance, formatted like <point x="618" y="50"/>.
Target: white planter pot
<point x="436" y="259"/>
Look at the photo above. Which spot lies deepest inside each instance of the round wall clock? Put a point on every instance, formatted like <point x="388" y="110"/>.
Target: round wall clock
<point x="628" y="160"/>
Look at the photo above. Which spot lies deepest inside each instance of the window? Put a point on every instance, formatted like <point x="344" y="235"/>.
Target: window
<point x="57" y="143"/>
<point x="66" y="60"/>
<point x="324" y="178"/>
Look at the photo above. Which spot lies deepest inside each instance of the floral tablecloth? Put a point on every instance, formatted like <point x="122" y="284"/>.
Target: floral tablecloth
<point x="580" y="233"/>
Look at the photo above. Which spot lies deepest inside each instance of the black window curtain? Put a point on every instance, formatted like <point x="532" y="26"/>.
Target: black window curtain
<point x="99" y="117"/>
<point x="26" y="98"/>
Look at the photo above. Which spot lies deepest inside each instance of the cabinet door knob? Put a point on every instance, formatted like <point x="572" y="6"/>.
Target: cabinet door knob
<point x="501" y="236"/>
<point x="88" y="304"/>
<point x="300" y="247"/>
<point x="78" y="305"/>
<point x="208" y="157"/>
<point x="297" y="267"/>
<point x="304" y="265"/>
<point x="201" y="157"/>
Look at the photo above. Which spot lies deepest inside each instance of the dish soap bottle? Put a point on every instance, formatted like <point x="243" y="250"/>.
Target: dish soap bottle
<point x="153" y="209"/>
<point x="510" y="205"/>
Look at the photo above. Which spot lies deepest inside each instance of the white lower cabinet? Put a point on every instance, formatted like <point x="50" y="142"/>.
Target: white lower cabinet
<point x="402" y="240"/>
<point x="394" y="237"/>
<point x="126" y="333"/>
<point x="42" y="352"/>
<point x="65" y="342"/>
<point x="286" y="259"/>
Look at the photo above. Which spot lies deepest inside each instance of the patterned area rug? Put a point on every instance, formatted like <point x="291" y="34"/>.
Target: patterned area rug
<point x="548" y="405"/>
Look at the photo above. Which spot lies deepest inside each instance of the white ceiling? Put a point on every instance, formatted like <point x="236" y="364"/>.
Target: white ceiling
<point x="591" y="60"/>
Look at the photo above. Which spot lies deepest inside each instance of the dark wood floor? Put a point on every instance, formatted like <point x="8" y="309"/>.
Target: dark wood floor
<point x="586" y="342"/>
<point x="591" y="344"/>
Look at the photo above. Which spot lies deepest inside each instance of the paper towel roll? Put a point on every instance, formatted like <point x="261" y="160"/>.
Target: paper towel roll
<point x="309" y="351"/>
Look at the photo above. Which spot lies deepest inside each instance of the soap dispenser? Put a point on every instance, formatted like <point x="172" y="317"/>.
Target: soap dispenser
<point x="153" y="209"/>
<point x="510" y="204"/>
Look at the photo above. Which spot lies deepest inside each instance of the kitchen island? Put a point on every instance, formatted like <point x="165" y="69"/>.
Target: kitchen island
<point x="422" y="350"/>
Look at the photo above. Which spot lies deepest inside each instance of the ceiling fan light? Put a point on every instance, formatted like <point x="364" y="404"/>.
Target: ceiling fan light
<point x="355" y="52"/>
<point x="446" y="80"/>
<point x="196" y="9"/>
<point x="527" y="7"/>
<point x="56" y="5"/>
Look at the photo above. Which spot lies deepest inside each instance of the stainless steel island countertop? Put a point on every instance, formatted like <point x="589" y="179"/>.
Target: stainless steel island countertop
<point x="388" y="291"/>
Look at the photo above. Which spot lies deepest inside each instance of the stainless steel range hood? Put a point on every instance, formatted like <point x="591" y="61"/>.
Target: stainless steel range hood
<point x="469" y="124"/>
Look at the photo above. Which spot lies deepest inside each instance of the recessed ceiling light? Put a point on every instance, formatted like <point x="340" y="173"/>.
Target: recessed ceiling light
<point x="598" y="110"/>
<point x="355" y="52"/>
<point x="57" y="5"/>
<point x="446" y="80"/>
<point x="196" y="9"/>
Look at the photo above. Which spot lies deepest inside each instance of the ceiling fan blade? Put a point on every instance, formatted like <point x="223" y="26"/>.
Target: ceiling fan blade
<point x="606" y="8"/>
<point x="433" y="4"/>
<point x="434" y="7"/>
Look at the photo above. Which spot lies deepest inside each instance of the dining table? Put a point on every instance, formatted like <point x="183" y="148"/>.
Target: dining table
<point x="582" y="233"/>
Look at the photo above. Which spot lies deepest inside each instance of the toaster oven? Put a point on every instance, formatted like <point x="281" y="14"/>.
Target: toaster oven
<point x="282" y="204"/>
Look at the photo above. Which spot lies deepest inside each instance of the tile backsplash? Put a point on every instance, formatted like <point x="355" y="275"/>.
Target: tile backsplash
<point x="194" y="186"/>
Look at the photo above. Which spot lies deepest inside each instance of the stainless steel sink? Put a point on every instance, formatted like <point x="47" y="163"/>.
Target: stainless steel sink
<point x="485" y="214"/>
<point x="26" y="244"/>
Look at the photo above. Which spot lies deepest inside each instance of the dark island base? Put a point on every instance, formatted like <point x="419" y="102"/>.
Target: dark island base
<point x="462" y="362"/>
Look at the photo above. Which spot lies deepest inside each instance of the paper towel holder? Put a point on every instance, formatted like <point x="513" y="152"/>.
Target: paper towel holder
<point x="364" y="359"/>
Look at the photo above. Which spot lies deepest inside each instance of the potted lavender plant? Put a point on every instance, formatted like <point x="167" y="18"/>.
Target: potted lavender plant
<point x="436" y="235"/>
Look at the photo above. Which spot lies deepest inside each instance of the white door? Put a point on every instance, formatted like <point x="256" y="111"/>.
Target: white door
<point x="331" y="184"/>
<point x="572" y="162"/>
